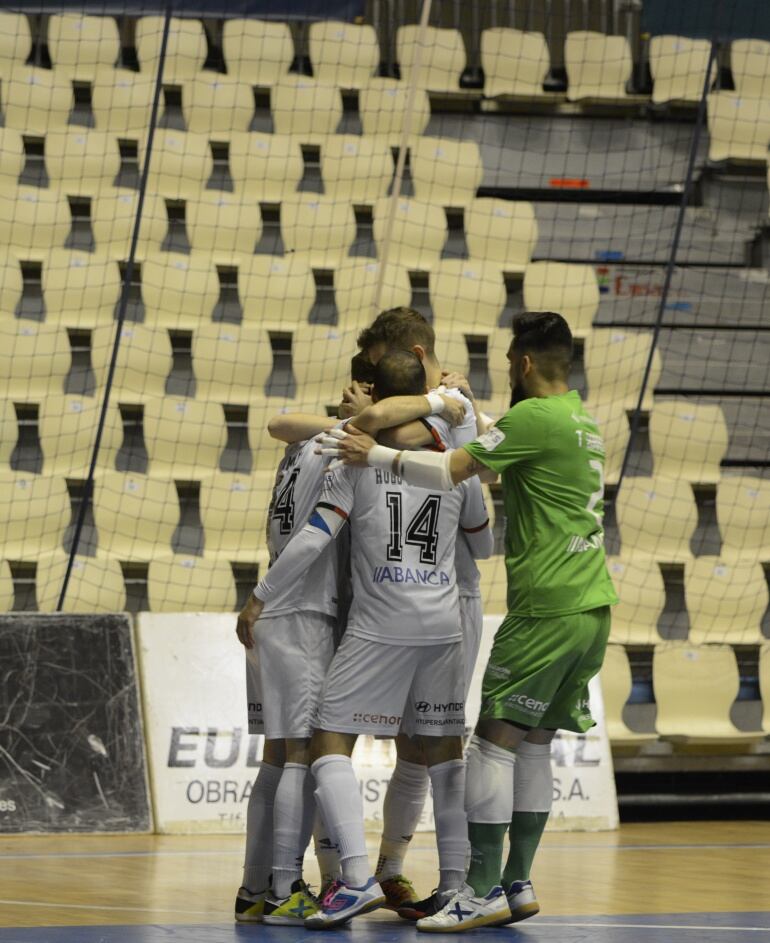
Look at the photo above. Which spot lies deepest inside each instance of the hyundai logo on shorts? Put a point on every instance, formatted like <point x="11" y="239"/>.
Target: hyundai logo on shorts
<point x="422" y="706"/>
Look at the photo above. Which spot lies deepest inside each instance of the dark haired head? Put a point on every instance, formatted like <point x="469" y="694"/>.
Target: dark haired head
<point x="361" y="368"/>
<point x="545" y="338"/>
<point x="397" y="329"/>
<point x="399" y="373"/>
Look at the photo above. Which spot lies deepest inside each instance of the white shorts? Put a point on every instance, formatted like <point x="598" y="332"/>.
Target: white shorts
<point x="472" y="625"/>
<point x="379" y="689"/>
<point x="285" y="672"/>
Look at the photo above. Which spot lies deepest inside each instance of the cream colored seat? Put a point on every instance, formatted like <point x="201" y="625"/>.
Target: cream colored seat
<point x="181" y="164"/>
<point x="15" y="40"/>
<point x="179" y="291"/>
<point x="265" y="167"/>
<point x="615" y="363"/>
<point x="186" y="50"/>
<point x="498" y="342"/>
<point x="615" y="430"/>
<point x="382" y="107"/>
<point x="688" y="440"/>
<point x="750" y="66"/>
<point x="9" y="433"/>
<point x="355" y="168"/>
<point x="144" y="361"/>
<point x="190" y="584"/>
<point x="695" y="688"/>
<point x="514" y="62"/>
<point x="82" y="46"/>
<point x="34" y="514"/>
<point x="566" y="288"/>
<point x="442" y="58"/>
<point x="355" y="290"/>
<point x="234" y="515"/>
<point x="418" y="235"/>
<point x="266" y="450"/>
<point x="445" y="171"/>
<point x="463" y="290"/>
<point x="121" y="102"/>
<point x="617" y="682"/>
<point x="113" y="218"/>
<point x="217" y="105"/>
<point x="307" y="108"/>
<point x="342" y="53"/>
<point x="725" y="601"/>
<point x="7" y="593"/>
<point x="80" y="289"/>
<point x="678" y="66"/>
<point x="259" y="52"/>
<point x="12" y="157"/>
<point x="34" y="219"/>
<point x="743" y="513"/>
<point x="493" y="585"/>
<point x="11" y="284"/>
<point x="739" y="127"/>
<point x="764" y="685"/>
<point x="81" y="161"/>
<point x="185" y="438"/>
<point x="231" y="364"/>
<point x="317" y="228"/>
<point x="95" y="584"/>
<point x="657" y="518"/>
<point x="642" y="593"/>
<point x="36" y="101"/>
<point x="224" y="226"/>
<point x="598" y="66"/>
<point x="276" y="291"/>
<point x="501" y="231"/>
<point x="34" y="360"/>
<point x="135" y="516"/>
<point x="67" y="428"/>
<point x="320" y="357"/>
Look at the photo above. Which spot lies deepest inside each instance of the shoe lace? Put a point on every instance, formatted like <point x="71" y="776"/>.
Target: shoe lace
<point x="330" y="892"/>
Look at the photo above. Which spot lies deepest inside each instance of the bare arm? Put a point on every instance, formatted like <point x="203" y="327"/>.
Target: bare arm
<point x="296" y="427"/>
<point x="399" y="410"/>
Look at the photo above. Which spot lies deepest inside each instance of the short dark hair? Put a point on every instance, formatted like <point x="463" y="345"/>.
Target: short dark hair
<point x="361" y="368"/>
<point x="547" y="338"/>
<point x="399" y="373"/>
<point x="399" y="329"/>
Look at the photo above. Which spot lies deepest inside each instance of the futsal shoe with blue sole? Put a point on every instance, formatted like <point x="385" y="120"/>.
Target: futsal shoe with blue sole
<point x="522" y="901"/>
<point x="342" y="902"/>
<point x="249" y="908"/>
<point x="465" y="911"/>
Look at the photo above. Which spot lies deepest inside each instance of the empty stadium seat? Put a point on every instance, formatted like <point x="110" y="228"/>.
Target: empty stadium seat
<point x="181" y="164"/>
<point x="276" y="290"/>
<point x="695" y="687"/>
<point x="34" y="514"/>
<point x="688" y="440"/>
<point x="81" y="161"/>
<point x="569" y="289"/>
<point x="231" y="364"/>
<point x="267" y="450"/>
<point x="34" y="360"/>
<point x="184" y="438"/>
<point x="678" y="66"/>
<point x="739" y="127"/>
<point x="750" y="66"/>
<point x="113" y="219"/>
<point x="445" y="171"/>
<point x="95" y="585"/>
<point x="463" y="290"/>
<point x="186" y="49"/>
<point x="67" y="427"/>
<point x="743" y="513"/>
<point x="121" y="102"/>
<point x="317" y="228"/>
<point x="265" y="167"/>
<point x="80" y="289"/>
<point x="355" y="290"/>
<point x="7" y="594"/>
<point x="32" y="218"/>
<point x="12" y="157"/>
<point x="234" y="515"/>
<point x="493" y="585"/>
<point x="217" y="105"/>
<point x="144" y="361"/>
<point x="179" y="291"/>
<point x="418" y="234"/>
<point x="501" y="231"/>
<point x="356" y="169"/>
<point x="616" y="682"/>
<point x="442" y="57"/>
<point x="764" y="685"/>
<point x="657" y="517"/>
<point x="642" y="593"/>
<point x="342" y="53"/>
<point x="305" y="107"/>
<point x="615" y="431"/>
<point x="15" y="40"/>
<point x="598" y="66"/>
<point x="36" y="100"/>
<point x="190" y="584"/>
<point x="514" y="62"/>
<point x="9" y="432"/>
<point x="82" y="46"/>
<point x="11" y="283"/>
<point x="223" y="225"/>
<point x="382" y="107"/>
<point x="259" y="52"/>
<point x="615" y="363"/>
<point x="725" y="601"/>
<point x="135" y="516"/>
<point x="320" y="357"/>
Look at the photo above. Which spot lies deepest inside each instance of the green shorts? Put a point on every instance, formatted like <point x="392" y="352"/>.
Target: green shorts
<point x="539" y="669"/>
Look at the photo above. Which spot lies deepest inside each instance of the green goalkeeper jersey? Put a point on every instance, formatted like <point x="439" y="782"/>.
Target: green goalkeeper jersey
<point x="551" y="457"/>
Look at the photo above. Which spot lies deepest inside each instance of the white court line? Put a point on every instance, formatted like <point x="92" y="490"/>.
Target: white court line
<point x="119" y="854"/>
<point x="217" y="915"/>
<point x="653" y="926"/>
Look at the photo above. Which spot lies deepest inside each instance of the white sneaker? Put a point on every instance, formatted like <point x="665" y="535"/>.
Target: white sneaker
<point x="342" y="902"/>
<point x="522" y="901"/>
<point x="465" y="911"/>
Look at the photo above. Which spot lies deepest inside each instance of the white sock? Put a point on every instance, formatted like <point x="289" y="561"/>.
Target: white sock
<point x="326" y="851"/>
<point x="402" y="809"/>
<point x="448" y="782"/>
<point x="339" y="800"/>
<point x="259" y="829"/>
<point x="533" y="790"/>
<point x="489" y="792"/>
<point x="293" y="817"/>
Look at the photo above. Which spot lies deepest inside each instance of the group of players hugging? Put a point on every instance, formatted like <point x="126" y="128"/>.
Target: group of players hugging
<point x="374" y="525"/>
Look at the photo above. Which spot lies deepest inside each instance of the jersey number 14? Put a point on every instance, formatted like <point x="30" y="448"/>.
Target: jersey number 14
<point x="422" y="530"/>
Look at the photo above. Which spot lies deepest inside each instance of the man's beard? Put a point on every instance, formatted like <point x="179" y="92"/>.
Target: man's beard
<point x="518" y="393"/>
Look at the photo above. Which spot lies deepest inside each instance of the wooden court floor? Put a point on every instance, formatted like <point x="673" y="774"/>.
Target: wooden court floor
<point x="671" y="881"/>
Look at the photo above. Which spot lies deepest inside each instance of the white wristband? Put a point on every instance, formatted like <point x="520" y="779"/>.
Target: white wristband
<point x="436" y="403"/>
<point x="380" y="456"/>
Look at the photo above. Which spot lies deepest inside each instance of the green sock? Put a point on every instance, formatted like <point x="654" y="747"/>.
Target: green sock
<point x="486" y="856"/>
<point x="525" y="833"/>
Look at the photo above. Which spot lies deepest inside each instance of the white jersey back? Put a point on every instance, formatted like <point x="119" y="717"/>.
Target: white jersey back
<point x="402" y="555"/>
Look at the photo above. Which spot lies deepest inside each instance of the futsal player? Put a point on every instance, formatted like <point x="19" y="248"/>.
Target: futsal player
<point x="550" y="454"/>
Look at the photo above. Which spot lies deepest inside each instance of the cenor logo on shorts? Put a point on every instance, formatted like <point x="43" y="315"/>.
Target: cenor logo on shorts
<point x="389" y="720"/>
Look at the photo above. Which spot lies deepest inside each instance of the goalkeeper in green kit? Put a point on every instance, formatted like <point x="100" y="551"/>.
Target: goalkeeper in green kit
<point x="552" y="641"/>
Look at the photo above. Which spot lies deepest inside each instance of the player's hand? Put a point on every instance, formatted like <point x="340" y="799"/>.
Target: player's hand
<point x="453" y="411"/>
<point x="247" y="619"/>
<point x="456" y="381"/>
<point x="348" y="446"/>
<point x="355" y="398"/>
